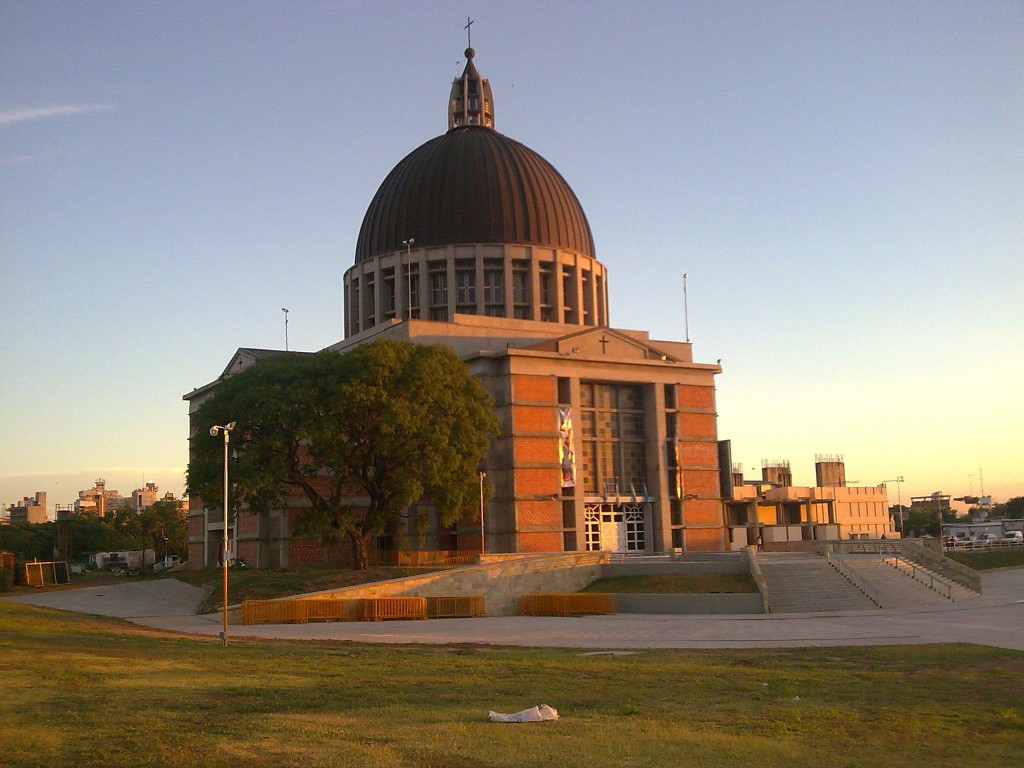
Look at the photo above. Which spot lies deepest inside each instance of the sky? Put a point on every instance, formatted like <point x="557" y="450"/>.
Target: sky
<point x="841" y="182"/>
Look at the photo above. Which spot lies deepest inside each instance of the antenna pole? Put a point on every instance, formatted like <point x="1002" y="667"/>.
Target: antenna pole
<point x="686" y="310"/>
<point x="285" y="328"/>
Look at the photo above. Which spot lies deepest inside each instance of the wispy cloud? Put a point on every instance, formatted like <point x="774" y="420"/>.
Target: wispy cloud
<point x="25" y="114"/>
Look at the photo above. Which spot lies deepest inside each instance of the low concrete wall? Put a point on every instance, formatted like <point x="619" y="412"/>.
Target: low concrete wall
<point x="758" y="577"/>
<point x="500" y="582"/>
<point x="724" y="564"/>
<point x="747" y="602"/>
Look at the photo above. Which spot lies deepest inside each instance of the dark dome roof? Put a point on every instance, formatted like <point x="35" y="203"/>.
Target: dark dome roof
<point x="473" y="185"/>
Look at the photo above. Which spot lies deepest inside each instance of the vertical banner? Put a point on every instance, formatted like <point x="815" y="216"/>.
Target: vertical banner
<point x="566" y="453"/>
<point x="677" y="470"/>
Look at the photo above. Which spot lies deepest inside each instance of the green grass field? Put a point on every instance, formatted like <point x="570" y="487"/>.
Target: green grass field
<point x="671" y="584"/>
<point x="84" y="691"/>
<point x="987" y="559"/>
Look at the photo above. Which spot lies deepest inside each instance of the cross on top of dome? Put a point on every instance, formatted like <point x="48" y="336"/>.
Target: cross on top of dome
<point x="470" y="102"/>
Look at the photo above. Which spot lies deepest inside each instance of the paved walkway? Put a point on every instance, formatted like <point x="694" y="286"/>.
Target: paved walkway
<point x="995" y="619"/>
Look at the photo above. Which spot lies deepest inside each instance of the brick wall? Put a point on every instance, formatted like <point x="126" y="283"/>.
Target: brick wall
<point x="699" y="454"/>
<point x="540" y="541"/>
<point x="538" y="481"/>
<point x="247" y="551"/>
<point x="689" y="396"/>
<point x="539" y="513"/>
<point x="703" y="511"/>
<point x="697" y="425"/>
<point x="246" y="523"/>
<point x="526" y="387"/>
<point x="703" y="539"/>
<point x="535" y="450"/>
<point x="534" y="418"/>
<point x="701" y="481"/>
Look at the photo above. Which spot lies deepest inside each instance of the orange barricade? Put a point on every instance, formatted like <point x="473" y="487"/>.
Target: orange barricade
<point x="566" y="604"/>
<point x="274" y="611"/>
<point x="331" y="609"/>
<point x="455" y="607"/>
<point x="383" y="608"/>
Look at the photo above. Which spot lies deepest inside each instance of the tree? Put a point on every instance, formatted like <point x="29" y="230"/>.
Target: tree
<point x="361" y="435"/>
<point x="164" y="519"/>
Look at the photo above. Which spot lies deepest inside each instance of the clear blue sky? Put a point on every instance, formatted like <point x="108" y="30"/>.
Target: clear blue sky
<point x="842" y="181"/>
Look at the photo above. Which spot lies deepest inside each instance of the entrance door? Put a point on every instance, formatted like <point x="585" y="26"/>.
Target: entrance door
<point x="613" y="533"/>
<point x="615" y="527"/>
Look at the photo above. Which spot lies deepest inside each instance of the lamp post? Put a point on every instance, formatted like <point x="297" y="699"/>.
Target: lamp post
<point x="899" y="496"/>
<point x="483" y="547"/>
<point x="408" y="276"/>
<point x="214" y="431"/>
<point x="283" y="309"/>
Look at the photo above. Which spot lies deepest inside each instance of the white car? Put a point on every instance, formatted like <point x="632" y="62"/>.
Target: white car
<point x="985" y="540"/>
<point x="1013" y="537"/>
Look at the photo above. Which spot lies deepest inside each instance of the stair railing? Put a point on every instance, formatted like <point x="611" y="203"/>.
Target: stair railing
<point x="926" y="577"/>
<point x="853" y="577"/>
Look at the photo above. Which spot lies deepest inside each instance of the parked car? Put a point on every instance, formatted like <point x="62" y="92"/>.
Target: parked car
<point x="985" y="540"/>
<point x="1013" y="537"/>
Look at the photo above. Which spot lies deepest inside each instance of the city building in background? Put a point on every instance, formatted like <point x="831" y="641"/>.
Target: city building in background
<point x="773" y="510"/>
<point x="99" y="500"/>
<point x="31" y="509"/>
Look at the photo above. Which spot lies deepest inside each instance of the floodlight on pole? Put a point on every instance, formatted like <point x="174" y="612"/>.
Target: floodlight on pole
<point x="408" y="276"/>
<point x="214" y="431"/>
<point x="899" y="496"/>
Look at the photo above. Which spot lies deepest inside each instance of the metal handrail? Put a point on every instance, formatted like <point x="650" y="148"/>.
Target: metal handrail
<point x="932" y="578"/>
<point x="853" y="577"/>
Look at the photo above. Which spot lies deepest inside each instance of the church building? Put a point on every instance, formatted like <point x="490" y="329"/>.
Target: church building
<point x="608" y="438"/>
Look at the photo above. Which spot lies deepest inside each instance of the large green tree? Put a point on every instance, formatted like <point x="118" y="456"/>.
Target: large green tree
<point x="361" y="435"/>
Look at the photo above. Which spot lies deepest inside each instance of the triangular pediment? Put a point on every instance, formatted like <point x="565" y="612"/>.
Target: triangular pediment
<point x="246" y="356"/>
<point x="599" y="343"/>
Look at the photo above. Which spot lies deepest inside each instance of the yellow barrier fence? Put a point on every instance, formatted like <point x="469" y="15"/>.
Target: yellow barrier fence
<point x="331" y="609"/>
<point x="465" y="607"/>
<point x="274" y="612"/>
<point x="384" y="608"/>
<point x="304" y="610"/>
<point x="566" y="604"/>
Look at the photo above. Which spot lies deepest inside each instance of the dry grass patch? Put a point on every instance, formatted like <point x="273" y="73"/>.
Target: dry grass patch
<point x="91" y="692"/>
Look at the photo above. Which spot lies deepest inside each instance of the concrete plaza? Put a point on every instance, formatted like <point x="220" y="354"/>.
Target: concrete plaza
<point x="995" y="619"/>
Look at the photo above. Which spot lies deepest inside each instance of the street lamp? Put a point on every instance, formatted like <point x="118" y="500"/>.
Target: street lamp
<point x="408" y="276"/>
<point x="483" y="547"/>
<point x="214" y="431"/>
<point x="899" y="496"/>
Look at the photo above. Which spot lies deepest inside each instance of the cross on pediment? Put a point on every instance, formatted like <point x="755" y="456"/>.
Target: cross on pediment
<point x="604" y="343"/>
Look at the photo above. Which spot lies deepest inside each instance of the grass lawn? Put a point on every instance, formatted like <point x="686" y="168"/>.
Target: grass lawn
<point x="245" y="582"/>
<point x="256" y="584"/>
<point x="85" y="691"/>
<point x="673" y="584"/>
<point x="986" y="560"/>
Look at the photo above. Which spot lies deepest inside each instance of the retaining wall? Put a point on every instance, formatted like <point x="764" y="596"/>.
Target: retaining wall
<point x="500" y="582"/>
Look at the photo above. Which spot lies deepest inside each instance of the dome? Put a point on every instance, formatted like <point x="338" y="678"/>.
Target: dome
<point x="473" y="185"/>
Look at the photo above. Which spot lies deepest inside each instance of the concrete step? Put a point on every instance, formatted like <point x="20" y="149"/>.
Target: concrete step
<point x="809" y="584"/>
<point x="900" y="587"/>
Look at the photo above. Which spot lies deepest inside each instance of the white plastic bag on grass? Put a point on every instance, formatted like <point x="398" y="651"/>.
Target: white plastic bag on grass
<point x="531" y="715"/>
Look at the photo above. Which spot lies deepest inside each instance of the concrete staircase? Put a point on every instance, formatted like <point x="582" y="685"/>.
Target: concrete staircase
<point x="896" y="585"/>
<point x="806" y="583"/>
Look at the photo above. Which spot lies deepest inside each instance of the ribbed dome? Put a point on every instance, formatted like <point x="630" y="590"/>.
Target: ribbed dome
<point x="473" y="185"/>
